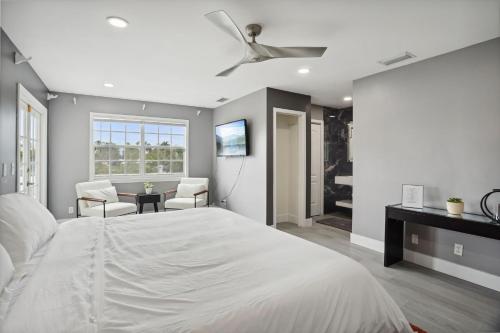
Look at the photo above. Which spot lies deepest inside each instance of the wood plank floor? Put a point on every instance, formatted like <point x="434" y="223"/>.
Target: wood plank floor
<point x="433" y="301"/>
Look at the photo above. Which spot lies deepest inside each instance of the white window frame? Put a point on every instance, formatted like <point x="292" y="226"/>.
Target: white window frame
<point x="142" y="177"/>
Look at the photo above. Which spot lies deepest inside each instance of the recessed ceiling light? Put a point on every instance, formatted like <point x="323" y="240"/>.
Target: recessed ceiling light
<point x="303" y="71"/>
<point x="116" y="21"/>
<point x="347" y="98"/>
<point x="108" y="85"/>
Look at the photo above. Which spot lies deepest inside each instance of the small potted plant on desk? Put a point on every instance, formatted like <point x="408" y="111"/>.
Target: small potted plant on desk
<point x="148" y="187"/>
<point x="455" y="206"/>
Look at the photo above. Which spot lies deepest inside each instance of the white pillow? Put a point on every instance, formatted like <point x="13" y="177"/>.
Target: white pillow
<point x="25" y="225"/>
<point x="6" y="268"/>
<point x="187" y="190"/>
<point x="109" y="194"/>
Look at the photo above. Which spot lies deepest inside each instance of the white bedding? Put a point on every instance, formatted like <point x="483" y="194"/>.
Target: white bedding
<point x="198" y="270"/>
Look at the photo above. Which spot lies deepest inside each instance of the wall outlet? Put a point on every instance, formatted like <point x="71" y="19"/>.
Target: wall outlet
<point x="223" y="204"/>
<point x="458" y="249"/>
<point x="414" y="239"/>
<point x="71" y="210"/>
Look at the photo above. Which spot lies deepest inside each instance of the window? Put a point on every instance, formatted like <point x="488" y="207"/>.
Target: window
<point x="133" y="148"/>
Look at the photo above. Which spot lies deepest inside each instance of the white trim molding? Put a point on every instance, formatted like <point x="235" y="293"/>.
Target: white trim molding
<point x="447" y="267"/>
<point x="472" y="275"/>
<point x="321" y="123"/>
<point x="367" y="242"/>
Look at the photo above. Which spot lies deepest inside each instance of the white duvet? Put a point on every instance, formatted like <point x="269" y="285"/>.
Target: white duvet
<point x="198" y="270"/>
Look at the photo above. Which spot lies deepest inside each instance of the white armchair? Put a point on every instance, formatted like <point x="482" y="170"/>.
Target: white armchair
<point x="99" y="198"/>
<point x="190" y="193"/>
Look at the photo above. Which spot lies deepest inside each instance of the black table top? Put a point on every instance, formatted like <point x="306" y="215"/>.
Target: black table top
<point x="444" y="213"/>
<point x="146" y="194"/>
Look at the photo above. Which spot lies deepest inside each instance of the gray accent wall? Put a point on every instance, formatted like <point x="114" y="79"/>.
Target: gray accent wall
<point x="69" y="143"/>
<point x="11" y="75"/>
<point x="436" y="123"/>
<point x="249" y="196"/>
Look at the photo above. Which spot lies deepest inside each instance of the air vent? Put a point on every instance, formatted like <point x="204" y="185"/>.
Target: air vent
<point x="222" y="99"/>
<point x="399" y="58"/>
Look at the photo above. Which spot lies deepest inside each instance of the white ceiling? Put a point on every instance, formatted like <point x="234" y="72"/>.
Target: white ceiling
<point x="170" y="53"/>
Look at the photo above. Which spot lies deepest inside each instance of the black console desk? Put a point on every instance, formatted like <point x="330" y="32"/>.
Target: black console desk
<point x="397" y="215"/>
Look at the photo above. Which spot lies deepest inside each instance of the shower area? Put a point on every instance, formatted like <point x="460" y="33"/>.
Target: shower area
<point x="338" y="166"/>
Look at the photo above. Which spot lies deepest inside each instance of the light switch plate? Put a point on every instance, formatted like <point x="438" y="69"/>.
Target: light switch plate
<point x="12" y="169"/>
<point x="4" y="170"/>
<point x="414" y="239"/>
<point x="70" y="210"/>
<point x="458" y="249"/>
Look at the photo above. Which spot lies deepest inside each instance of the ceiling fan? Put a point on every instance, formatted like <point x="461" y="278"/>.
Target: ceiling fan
<point x="255" y="52"/>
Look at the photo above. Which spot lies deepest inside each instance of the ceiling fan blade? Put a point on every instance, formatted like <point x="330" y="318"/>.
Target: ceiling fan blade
<point x="228" y="71"/>
<point x="221" y="19"/>
<point x="288" y="52"/>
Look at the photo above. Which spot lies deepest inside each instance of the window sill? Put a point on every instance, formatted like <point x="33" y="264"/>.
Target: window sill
<point x="140" y="179"/>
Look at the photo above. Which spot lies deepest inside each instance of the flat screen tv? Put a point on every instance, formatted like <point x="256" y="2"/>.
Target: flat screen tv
<point x="232" y="138"/>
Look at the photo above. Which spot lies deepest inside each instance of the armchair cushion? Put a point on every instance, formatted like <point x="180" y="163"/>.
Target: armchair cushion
<point x="108" y="193"/>
<point x="81" y="188"/>
<point x="188" y="190"/>
<point x="198" y="181"/>
<point x="113" y="209"/>
<point x="184" y="203"/>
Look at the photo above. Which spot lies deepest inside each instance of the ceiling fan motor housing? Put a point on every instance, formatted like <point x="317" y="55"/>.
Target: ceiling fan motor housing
<point x="253" y="30"/>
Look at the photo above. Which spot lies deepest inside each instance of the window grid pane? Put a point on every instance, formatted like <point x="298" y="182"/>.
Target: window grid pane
<point x="138" y="148"/>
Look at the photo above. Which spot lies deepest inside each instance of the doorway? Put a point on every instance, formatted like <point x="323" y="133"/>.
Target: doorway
<point x="317" y="168"/>
<point x="289" y="167"/>
<point x="31" y="146"/>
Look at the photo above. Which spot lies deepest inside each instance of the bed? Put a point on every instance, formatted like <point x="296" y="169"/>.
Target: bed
<point x="197" y="270"/>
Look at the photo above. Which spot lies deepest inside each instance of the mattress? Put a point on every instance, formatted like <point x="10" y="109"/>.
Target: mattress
<point x="197" y="270"/>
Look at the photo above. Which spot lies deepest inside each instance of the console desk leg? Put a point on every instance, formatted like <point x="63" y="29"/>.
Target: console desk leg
<point x="394" y="238"/>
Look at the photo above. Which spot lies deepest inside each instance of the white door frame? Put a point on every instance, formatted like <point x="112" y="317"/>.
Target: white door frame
<point x="301" y="209"/>
<point x="24" y="95"/>
<point x="322" y="164"/>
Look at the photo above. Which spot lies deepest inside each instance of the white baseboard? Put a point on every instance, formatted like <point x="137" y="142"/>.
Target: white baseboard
<point x="367" y="242"/>
<point x="286" y="218"/>
<point x="462" y="272"/>
<point x="282" y="218"/>
<point x="444" y="266"/>
<point x="306" y="223"/>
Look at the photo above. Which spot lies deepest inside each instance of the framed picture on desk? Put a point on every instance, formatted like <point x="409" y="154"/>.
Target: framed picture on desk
<point x="412" y="196"/>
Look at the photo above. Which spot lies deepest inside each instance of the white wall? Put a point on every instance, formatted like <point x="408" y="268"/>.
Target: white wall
<point x="436" y="123"/>
<point x="286" y="166"/>
<point x="249" y="196"/>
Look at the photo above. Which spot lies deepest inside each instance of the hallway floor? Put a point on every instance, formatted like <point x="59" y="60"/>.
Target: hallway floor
<point x="339" y="220"/>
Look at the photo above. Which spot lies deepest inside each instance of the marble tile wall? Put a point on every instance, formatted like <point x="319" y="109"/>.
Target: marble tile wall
<point x="336" y="155"/>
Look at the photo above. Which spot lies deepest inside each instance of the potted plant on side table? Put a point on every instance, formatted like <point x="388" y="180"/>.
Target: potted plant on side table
<point x="148" y="187"/>
<point x="455" y="206"/>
